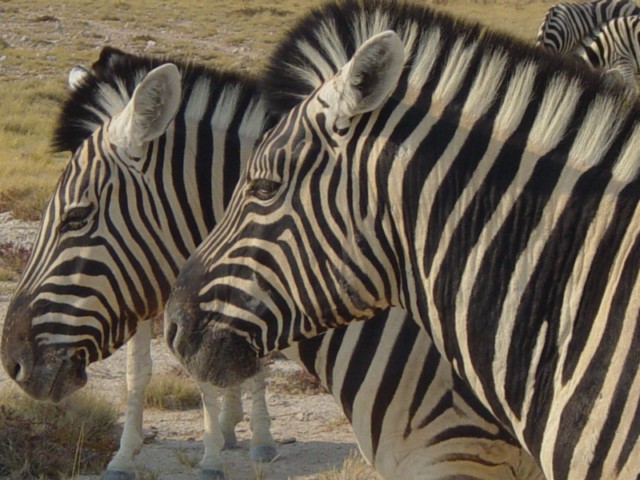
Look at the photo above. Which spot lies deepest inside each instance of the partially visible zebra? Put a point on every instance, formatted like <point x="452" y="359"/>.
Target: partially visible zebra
<point x="490" y="190"/>
<point x="565" y="24"/>
<point x="446" y="429"/>
<point x="614" y="46"/>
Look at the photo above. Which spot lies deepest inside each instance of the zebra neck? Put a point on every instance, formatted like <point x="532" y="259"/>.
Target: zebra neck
<point x="518" y="214"/>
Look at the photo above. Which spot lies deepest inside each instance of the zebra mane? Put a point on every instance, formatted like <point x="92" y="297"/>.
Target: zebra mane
<point x="107" y="88"/>
<point x="446" y="57"/>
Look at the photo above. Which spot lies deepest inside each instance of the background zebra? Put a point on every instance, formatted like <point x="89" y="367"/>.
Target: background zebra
<point x="614" y="45"/>
<point x="566" y="24"/>
<point x="462" y="175"/>
<point x="443" y="416"/>
<point x="126" y="213"/>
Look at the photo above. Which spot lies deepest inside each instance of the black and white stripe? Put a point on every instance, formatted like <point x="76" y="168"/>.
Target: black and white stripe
<point x="123" y="218"/>
<point x="220" y="118"/>
<point x="566" y="24"/>
<point x="488" y="188"/>
<point x="614" y="46"/>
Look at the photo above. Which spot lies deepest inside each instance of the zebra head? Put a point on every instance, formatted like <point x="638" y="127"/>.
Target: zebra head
<point x="86" y="283"/>
<point x="284" y="262"/>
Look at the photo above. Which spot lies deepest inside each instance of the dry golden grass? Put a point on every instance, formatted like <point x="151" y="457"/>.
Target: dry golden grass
<point x="172" y="392"/>
<point x="353" y="468"/>
<point x="42" y="41"/>
<point x="45" y="440"/>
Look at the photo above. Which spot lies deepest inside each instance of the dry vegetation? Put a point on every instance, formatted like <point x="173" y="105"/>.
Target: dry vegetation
<point x="172" y="391"/>
<point x="44" y="440"/>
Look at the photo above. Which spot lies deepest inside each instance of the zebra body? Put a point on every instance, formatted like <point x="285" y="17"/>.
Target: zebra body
<point x="614" y="45"/>
<point x="467" y="178"/>
<point x="566" y="24"/>
<point x="446" y="423"/>
<point x="412" y="416"/>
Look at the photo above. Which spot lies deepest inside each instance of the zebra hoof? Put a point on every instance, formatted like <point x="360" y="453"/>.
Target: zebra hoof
<point x="263" y="453"/>
<point x="209" y="474"/>
<point x="115" y="475"/>
<point x="230" y="440"/>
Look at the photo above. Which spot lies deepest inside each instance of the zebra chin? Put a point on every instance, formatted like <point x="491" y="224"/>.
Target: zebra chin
<point x="214" y="354"/>
<point x="220" y="357"/>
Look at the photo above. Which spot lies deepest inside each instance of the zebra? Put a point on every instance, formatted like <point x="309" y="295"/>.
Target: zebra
<point x="566" y="24"/>
<point x="448" y="419"/>
<point x="485" y="187"/>
<point x="445" y="417"/>
<point x="94" y="277"/>
<point x="614" y="46"/>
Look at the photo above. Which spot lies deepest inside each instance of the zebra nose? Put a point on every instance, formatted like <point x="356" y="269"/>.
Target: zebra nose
<point x="181" y="312"/>
<point x="17" y="349"/>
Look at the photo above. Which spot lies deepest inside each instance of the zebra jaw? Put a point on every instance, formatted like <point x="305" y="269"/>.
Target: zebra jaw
<point x="56" y="375"/>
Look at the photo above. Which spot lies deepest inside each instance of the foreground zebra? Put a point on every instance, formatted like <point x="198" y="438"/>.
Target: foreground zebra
<point x="412" y="425"/>
<point x="488" y="189"/>
<point x="566" y="24"/>
<point x="614" y="45"/>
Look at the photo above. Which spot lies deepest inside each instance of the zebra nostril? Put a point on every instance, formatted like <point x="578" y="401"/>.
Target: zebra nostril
<point x="170" y="334"/>
<point x="17" y="372"/>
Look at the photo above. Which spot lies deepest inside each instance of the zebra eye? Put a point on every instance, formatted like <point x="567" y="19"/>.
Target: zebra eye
<point x="75" y="218"/>
<point x="263" y="189"/>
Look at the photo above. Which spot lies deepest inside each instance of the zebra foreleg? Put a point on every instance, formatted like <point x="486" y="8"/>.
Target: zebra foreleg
<point x="263" y="447"/>
<point x="121" y="466"/>
<point x="230" y="415"/>
<point x="211" y="467"/>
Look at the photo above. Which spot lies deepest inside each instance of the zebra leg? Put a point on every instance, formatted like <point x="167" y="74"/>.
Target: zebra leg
<point x="121" y="466"/>
<point x="263" y="447"/>
<point x="211" y="467"/>
<point x="230" y="415"/>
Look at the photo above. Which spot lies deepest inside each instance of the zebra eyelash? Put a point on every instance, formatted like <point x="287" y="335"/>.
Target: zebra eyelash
<point x="75" y="218"/>
<point x="263" y="188"/>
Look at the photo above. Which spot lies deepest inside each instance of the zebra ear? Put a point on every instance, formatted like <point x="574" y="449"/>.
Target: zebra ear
<point x="153" y="106"/>
<point x="364" y="83"/>
<point x="77" y="75"/>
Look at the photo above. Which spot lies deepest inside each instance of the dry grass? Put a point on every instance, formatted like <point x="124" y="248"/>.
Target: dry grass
<point x="42" y="41"/>
<point x="45" y="440"/>
<point x="297" y="382"/>
<point x="353" y="468"/>
<point x="13" y="259"/>
<point x="172" y="391"/>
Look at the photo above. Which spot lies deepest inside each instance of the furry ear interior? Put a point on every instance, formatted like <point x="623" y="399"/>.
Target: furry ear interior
<point x="371" y="75"/>
<point x="153" y="106"/>
<point x="77" y="75"/>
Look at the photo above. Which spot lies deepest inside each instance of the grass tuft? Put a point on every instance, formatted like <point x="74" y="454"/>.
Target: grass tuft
<point x="353" y="468"/>
<point x="46" y="440"/>
<point x="173" y="391"/>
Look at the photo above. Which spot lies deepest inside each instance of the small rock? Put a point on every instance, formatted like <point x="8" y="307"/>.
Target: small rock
<point x="287" y="440"/>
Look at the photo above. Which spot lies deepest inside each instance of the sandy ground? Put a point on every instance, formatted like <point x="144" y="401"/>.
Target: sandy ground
<point x="312" y="434"/>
